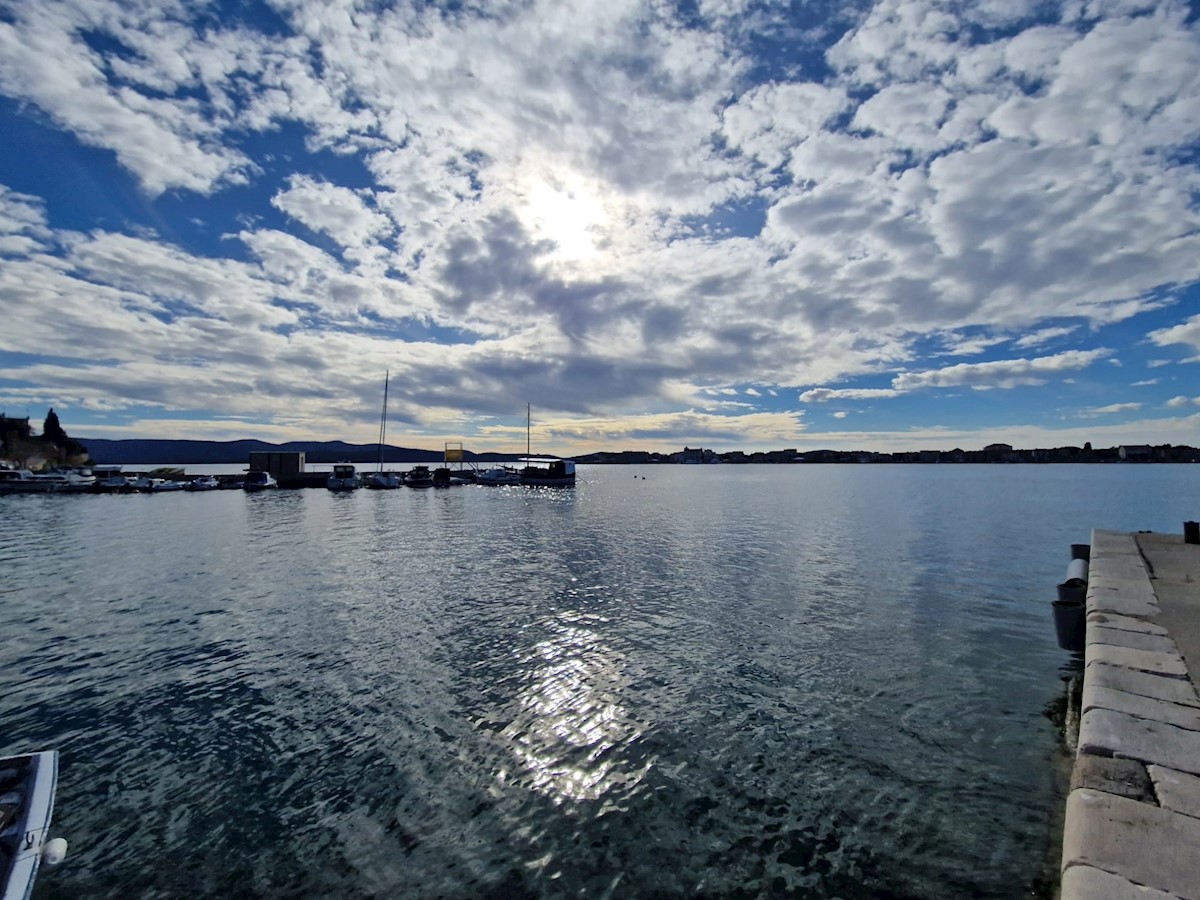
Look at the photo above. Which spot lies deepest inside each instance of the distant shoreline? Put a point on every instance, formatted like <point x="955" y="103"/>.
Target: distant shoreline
<point x="104" y="451"/>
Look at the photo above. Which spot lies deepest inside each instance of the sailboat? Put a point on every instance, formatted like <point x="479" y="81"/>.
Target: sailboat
<point x="544" y="470"/>
<point x="382" y="480"/>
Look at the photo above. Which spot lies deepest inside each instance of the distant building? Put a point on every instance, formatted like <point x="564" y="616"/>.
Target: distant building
<point x="280" y="463"/>
<point x="1135" y="452"/>
<point x="999" y="453"/>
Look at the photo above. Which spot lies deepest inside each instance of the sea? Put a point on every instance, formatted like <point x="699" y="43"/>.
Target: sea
<point x="668" y="681"/>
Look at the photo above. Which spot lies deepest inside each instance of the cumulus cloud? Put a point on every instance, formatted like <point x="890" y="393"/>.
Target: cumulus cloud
<point x="1006" y="373"/>
<point x="1181" y="401"/>
<point x="336" y="211"/>
<point x="1186" y="332"/>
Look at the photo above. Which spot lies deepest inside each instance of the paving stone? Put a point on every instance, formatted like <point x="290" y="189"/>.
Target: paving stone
<point x="1087" y="883"/>
<point x="1098" y="634"/>
<point x="1177" y="791"/>
<point x="1122" y="599"/>
<point x="1107" y="541"/>
<point x="1123" y="777"/>
<point x="1133" y="579"/>
<point x="1097" y="697"/>
<point x="1106" y="732"/>
<point x="1145" y="684"/>
<point x="1125" y="623"/>
<point x="1143" y="660"/>
<point x="1142" y="843"/>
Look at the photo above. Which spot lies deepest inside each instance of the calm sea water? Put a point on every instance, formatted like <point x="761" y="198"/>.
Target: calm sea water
<point x="674" y="681"/>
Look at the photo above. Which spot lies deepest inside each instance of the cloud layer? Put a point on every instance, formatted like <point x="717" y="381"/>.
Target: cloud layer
<point x="657" y="229"/>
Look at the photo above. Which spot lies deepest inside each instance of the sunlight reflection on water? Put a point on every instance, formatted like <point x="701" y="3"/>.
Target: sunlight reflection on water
<point x="570" y="718"/>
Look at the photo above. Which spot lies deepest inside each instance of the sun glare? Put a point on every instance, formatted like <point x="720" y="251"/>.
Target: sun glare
<point x="569" y="214"/>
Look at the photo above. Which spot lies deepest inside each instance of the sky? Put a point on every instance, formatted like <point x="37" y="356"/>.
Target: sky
<point x="735" y="224"/>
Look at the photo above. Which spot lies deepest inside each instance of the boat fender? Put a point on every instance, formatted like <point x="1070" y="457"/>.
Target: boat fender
<point x="55" y="852"/>
<point x="1077" y="570"/>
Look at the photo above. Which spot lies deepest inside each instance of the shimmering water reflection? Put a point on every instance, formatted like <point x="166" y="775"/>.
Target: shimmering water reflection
<point x="713" y="681"/>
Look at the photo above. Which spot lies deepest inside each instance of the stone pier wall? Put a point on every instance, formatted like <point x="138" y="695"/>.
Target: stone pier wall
<point x="1132" y="825"/>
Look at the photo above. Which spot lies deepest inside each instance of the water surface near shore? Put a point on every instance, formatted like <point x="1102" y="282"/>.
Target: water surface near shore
<point x="822" y="681"/>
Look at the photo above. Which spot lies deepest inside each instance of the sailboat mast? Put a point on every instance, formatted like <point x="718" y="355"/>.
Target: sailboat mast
<point x="383" y="418"/>
<point x="528" y="413"/>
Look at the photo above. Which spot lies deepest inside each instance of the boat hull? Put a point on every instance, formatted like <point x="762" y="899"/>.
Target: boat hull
<point x="33" y="778"/>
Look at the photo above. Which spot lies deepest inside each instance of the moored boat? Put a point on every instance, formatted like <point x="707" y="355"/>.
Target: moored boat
<point x="259" y="481"/>
<point x="152" y="484"/>
<point x="23" y="481"/>
<point x="498" y="475"/>
<point x="384" y="480"/>
<point x="204" y="483"/>
<point x="548" y="471"/>
<point x="419" y="477"/>
<point x="343" y="478"/>
<point x="110" y="480"/>
<point x="27" y="786"/>
<point x="381" y="480"/>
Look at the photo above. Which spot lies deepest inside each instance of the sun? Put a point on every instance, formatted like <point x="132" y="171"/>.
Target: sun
<point x="567" y="212"/>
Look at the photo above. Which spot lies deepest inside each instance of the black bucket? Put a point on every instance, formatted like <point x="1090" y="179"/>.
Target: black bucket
<point x="1081" y="551"/>
<point x="1070" y="624"/>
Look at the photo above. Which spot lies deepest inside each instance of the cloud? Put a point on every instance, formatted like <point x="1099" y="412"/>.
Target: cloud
<point x="1109" y="410"/>
<point x="1007" y="373"/>
<point x="1043" y="336"/>
<point x="167" y="142"/>
<point x="1181" y="401"/>
<point x="336" y="211"/>
<point x="609" y="206"/>
<point x="1146" y="383"/>
<point x="824" y="395"/>
<point x="1186" y="332"/>
<point x="971" y="346"/>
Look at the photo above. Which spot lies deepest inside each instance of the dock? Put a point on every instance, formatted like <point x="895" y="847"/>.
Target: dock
<point x="1132" y="827"/>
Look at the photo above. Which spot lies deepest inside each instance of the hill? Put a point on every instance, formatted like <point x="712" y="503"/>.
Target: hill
<point x="141" y="452"/>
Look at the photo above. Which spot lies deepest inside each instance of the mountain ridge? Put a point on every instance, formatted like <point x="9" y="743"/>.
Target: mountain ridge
<point x="108" y="451"/>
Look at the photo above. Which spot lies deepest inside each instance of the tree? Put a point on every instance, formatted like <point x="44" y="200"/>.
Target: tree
<point x="52" y="431"/>
<point x="58" y="447"/>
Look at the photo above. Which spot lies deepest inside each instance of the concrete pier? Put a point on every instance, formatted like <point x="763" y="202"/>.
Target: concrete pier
<point x="1132" y="825"/>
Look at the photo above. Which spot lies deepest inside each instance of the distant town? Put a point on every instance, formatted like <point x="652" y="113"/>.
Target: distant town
<point x="992" y="453"/>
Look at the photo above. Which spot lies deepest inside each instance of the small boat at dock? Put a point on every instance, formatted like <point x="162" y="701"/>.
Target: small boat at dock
<point x="498" y="475"/>
<point x="111" y="480"/>
<point x="23" y="481"/>
<point x="343" y="478"/>
<point x="204" y="483"/>
<point x="259" y="481"/>
<point x="384" y="480"/>
<point x="381" y="480"/>
<point x="547" y="471"/>
<point x="419" y="477"/>
<point x="27" y="786"/>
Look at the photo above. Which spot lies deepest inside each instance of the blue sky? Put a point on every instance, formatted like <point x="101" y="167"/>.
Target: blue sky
<point x="738" y="225"/>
